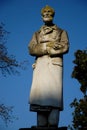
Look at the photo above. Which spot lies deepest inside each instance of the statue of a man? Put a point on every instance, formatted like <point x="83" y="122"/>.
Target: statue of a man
<point x="48" y="46"/>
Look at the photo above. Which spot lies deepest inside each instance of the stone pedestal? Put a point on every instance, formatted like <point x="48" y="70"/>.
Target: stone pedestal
<point x="44" y="128"/>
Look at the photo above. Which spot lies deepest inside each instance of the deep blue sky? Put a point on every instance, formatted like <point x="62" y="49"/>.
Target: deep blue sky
<point x="22" y="18"/>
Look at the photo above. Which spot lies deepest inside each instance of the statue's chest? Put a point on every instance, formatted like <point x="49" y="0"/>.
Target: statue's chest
<point x="48" y="35"/>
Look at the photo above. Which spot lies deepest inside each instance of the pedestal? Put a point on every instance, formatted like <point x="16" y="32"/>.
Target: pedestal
<point x="44" y="128"/>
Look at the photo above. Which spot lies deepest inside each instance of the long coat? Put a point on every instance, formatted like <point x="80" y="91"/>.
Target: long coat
<point x="48" y="46"/>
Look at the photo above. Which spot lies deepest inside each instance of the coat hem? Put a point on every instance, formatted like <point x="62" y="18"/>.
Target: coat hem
<point x="36" y="108"/>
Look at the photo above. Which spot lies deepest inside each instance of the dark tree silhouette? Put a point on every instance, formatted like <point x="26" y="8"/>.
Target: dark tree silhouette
<point x="80" y="106"/>
<point x="8" y="65"/>
<point x="6" y="113"/>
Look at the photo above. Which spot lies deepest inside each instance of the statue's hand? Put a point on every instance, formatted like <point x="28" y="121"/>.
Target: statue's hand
<point x="55" y="46"/>
<point x="50" y="44"/>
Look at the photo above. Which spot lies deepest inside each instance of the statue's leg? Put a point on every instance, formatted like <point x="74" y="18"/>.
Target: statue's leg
<point x="53" y="118"/>
<point x="42" y="119"/>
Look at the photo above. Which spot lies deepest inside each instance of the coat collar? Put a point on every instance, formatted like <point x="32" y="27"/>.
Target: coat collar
<point x="48" y="29"/>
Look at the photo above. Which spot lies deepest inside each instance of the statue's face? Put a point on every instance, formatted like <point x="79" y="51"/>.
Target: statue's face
<point x="47" y="15"/>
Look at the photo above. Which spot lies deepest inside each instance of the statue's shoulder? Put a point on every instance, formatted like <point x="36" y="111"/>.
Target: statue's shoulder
<point x="55" y="27"/>
<point x="41" y="28"/>
<point x="35" y="35"/>
<point x="61" y="31"/>
<point x="38" y="31"/>
<point x="58" y="28"/>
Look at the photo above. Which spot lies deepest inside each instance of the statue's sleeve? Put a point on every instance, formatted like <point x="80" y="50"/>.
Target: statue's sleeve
<point x="60" y="47"/>
<point x="64" y="42"/>
<point x="35" y="48"/>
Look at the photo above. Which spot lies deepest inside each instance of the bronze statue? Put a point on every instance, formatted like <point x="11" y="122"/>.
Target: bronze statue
<point x="48" y="45"/>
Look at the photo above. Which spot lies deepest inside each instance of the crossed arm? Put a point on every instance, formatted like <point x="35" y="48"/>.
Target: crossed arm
<point x="49" y="48"/>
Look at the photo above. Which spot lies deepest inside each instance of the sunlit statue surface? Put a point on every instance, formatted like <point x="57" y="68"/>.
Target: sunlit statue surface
<point x="48" y="45"/>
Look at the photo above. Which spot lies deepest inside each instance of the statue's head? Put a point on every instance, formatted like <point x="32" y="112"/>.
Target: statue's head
<point x="47" y="13"/>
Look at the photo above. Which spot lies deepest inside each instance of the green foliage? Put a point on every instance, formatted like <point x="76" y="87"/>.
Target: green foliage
<point x="80" y="69"/>
<point x="80" y="106"/>
<point x="80" y="113"/>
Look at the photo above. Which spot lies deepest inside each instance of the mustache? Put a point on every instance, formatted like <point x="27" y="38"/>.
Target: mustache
<point x="45" y="16"/>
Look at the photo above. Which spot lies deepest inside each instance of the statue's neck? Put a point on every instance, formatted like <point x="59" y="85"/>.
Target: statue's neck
<point x="49" y="24"/>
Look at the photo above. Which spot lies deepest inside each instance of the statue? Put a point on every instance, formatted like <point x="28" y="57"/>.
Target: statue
<point x="48" y="45"/>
